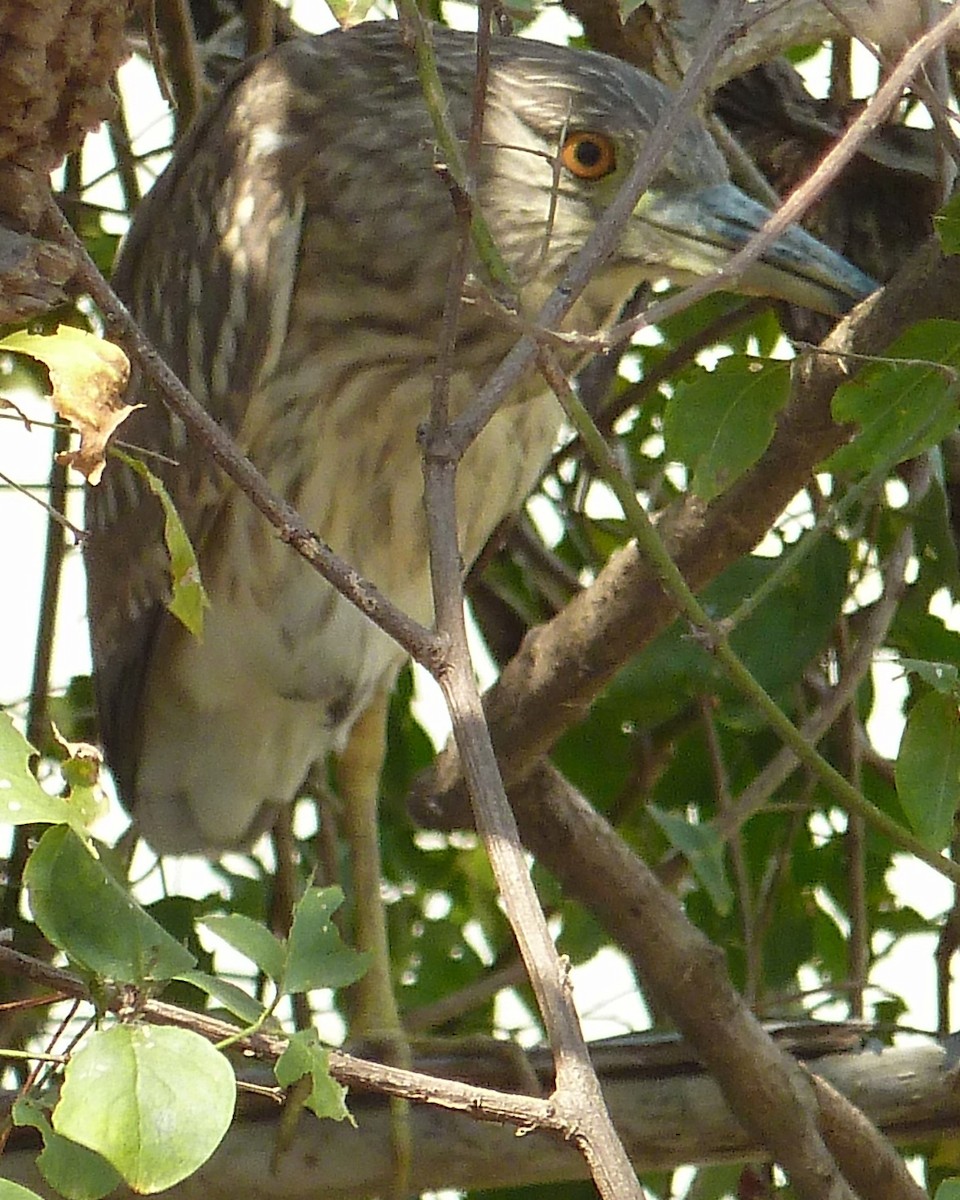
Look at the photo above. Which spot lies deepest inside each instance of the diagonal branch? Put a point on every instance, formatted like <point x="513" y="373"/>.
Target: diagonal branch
<point x="420" y="643"/>
<point x="565" y="664"/>
<point x="686" y="975"/>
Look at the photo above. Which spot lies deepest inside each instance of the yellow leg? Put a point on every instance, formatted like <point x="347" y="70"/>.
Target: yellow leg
<point x="374" y="1013"/>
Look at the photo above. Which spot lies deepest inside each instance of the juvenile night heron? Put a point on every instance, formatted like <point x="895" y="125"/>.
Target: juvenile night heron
<point x="290" y="265"/>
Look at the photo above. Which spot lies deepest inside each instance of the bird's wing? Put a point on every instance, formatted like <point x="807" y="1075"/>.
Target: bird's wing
<point x="208" y="270"/>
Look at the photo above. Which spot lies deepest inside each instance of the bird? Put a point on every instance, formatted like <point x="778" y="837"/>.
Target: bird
<point x="290" y="265"/>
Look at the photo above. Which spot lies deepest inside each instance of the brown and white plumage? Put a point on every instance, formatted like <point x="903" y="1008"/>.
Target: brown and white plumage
<point x="290" y="265"/>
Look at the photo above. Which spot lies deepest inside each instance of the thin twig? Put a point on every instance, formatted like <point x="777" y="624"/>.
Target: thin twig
<point x="469" y="998"/>
<point x="773" y="775"/>
<point x="738" y="858"/>
<point x="176" y="61"/>
<point x="855" y="850"/>
<point x="716" y="635"/>
<point x="815" y="1158"/>
<point x="52" y="513"/>
<point x="260" y="21"/>
<point x="726" y="276"/>
<point x="37" y="712"/>
<point x="684" y="974"/>
<point x="577" y="1094"/>
<point x="125" y="170"/>
<point x="54" y="553"/>
<point x="485" y="1104"/>
<point x="606" y="234"/>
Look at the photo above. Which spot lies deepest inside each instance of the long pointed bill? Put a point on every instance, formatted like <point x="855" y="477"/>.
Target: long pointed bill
<point x="696" y="233"/>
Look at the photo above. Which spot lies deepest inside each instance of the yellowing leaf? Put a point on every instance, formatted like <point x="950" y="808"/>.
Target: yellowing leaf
<point x="88" y="377"/>
<point x="188" y="598"/>
<point x="81" y="767"/>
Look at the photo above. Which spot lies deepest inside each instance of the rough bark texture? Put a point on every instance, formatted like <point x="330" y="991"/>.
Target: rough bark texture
<point x="668" y="1114"/>
<point x="57" y="58"/>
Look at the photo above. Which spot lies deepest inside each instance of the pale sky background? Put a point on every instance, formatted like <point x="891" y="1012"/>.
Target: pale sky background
<point x="604" y="989"/>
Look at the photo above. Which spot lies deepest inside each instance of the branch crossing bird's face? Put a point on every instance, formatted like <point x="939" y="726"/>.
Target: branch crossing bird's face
<point x="291" y="266"/>
<point x="563" y="130"/>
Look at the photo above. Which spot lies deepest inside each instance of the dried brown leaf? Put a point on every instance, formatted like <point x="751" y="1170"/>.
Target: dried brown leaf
<point x="88" y="379"/>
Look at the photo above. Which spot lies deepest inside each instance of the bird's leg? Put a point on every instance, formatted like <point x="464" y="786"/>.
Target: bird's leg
<point x="374" y="1012"/>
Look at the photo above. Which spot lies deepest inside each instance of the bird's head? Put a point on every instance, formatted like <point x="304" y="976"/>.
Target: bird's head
<point x="563" y="129"/>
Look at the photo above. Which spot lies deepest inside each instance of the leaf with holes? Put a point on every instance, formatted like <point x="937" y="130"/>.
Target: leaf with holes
<point x="22" y="800"/>
<point x="304" y="1057"/>
<point x="942" y="677"/>
<point x="316" y="957"/>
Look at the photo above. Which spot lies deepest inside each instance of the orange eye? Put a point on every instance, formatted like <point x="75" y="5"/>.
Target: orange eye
<point x="588" y="155"/>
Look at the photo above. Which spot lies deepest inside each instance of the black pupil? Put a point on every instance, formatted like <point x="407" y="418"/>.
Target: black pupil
<point x="588" y="153"/>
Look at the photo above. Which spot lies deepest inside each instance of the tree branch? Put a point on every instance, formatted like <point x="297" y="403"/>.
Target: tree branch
<point x="419" y="642"/>
<point x="565" y="664"/>
<point x="668" y="1111"/>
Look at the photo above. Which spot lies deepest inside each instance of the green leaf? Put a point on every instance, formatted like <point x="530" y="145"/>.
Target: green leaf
<point x="704" y="851"/>
<point x="349" y="12"/>
<point x="790" y="625"/>
<point x="85" y="912"/>
<point x="74" y="1171"/>
<point x="928" y="769"/>
<point x="720" y="422"/>
<point x="304" y="1056"/>
<point x="948" y="1190"/>
<point x="942" y="677"/>
<point x="316" y="957"/>
<point x="13" y="1191"/>
<point x="155" y="1103"/>
<point x="188" y="598"/>
<point x="795" y="620"/>
<point x="252" y="939"/>
<point x="22" y="800"/>
<point x="903" y="407"/>
<point x="946" y="223"/>
<point x="235" y="1000"/>
<point x="935" y="543"/>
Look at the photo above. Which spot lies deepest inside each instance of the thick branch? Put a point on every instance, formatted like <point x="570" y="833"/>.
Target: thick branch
<point x="677" y="1118"/>
<point x="564" y="665"/>
<point x="684" y="973"/>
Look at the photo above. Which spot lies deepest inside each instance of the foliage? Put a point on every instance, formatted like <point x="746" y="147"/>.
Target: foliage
<point x="120" y="1078"/>
<point x="784" y="876"/>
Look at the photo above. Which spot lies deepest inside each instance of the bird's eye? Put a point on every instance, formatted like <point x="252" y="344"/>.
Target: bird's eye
<point x="588" y="155"/>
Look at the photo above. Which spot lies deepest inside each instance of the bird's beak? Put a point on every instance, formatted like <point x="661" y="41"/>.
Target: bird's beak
<point x="697" y="232"/>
